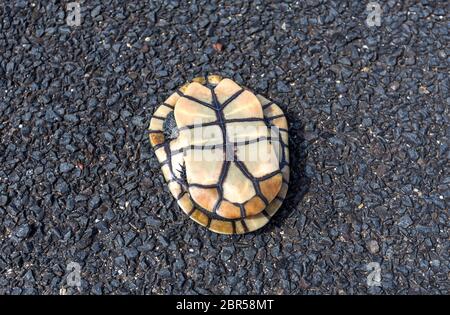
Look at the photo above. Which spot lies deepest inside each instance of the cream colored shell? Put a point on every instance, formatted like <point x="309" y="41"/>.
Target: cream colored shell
<point x="232" y="174"/>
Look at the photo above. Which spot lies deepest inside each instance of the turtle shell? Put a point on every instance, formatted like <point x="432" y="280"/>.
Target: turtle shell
<point x="229" y="166"/>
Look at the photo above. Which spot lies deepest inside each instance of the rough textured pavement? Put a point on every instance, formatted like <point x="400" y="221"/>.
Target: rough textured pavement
<point x="369" y="128"/>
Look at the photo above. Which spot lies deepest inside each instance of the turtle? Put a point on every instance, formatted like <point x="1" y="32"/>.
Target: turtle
<point x="211" y="173"/>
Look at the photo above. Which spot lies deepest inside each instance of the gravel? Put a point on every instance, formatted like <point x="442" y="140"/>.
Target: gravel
<point x="368" y="113"/>
<point x="405" y="221"/>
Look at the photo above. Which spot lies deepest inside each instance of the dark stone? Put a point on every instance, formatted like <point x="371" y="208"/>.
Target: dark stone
<point x="62" y="187"/>
<point x="22" y="231"/>
<point x="282" y="87"/>
<point x="373" y="246"/>
<point x="405" y="221"/>
<point x="131" y="253"/>
<point x="94" y="202"/>
<point x="3" y="200"/>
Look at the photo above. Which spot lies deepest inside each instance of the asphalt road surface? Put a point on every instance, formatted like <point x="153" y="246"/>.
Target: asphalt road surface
<point x="83" y="204"/>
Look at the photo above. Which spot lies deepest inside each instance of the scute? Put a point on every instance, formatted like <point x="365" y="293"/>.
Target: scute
<point x="220" y="226"/>
<point x="237" y="187"/>
<point x="246" y="105"/>
<point x="205" y="197"/>
<point x="254" y="206"/>
<point x="259" y="158"/>
<point x="200" y="171"/>
<point x="185" y="203"/>
<point x="156" y="138"/>
<point x="199" y="91"/>
<point x="199" y="217"/>
<point x="246" y="131"/>
<point x="270" y="187"/>
<point x="225" y="89"/>
<point x="188" y="112"/>
<point x="228" y="210"/>
<point x="256" y="222"/>
<point x="209" y="135"/>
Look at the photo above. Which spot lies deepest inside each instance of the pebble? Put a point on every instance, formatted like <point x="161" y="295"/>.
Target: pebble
<point x="373" y="247"/>
<point x="94" y="202"/>
<point x="367" y="112"/>
<point x="394" y="86"/>
<point x="282" y="87"/>
<point x="131" y="253"/>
